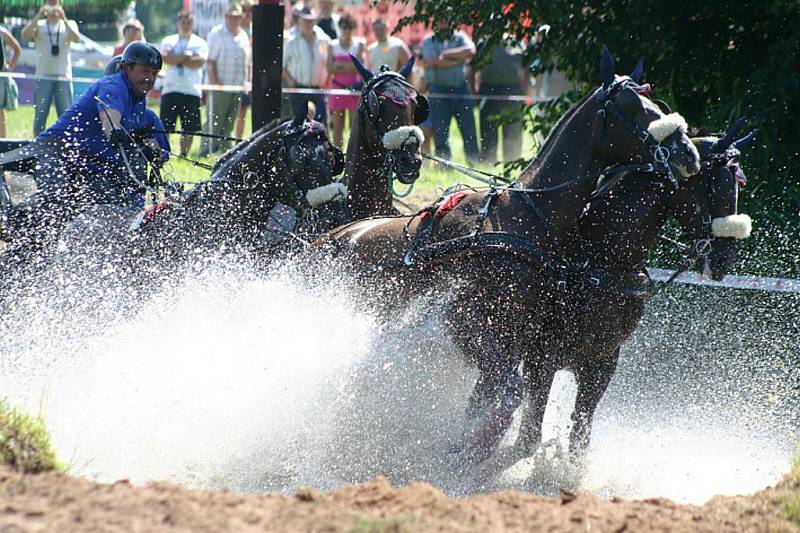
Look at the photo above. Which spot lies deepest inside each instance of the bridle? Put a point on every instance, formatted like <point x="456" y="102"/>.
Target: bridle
<point x="297" y="196"/>
<point x="607" y="103"/>
<point x="369" y="110"/>
<point x="702" y="231"/>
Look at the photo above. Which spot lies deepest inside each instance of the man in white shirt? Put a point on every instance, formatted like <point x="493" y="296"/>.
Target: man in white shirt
<point x="53" y="35"/>
<point x="185" y="54"/>
<point x="386" y="50"/>
<point x="228" y="64"/>
<point x="305" y="58"/>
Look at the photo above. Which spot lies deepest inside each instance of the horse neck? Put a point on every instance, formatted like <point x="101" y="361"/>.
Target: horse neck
<point x="568" y="154"/>
<point x="365" y="176"/>
<point x="617" y="232"/>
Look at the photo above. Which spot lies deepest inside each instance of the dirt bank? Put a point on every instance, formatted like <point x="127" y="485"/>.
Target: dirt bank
<point x="56" y="502"/>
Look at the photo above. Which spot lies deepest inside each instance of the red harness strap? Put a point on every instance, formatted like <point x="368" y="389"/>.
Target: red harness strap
<point x="148" y="215"/>
<point x="447" y="205"/>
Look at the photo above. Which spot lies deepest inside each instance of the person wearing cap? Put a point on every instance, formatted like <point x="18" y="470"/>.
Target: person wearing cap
<point x="132" y="30"/>
<point x="228" y="60"/>
<point x="53" y="34"/>
<point x="81" y="161"/>
<point x="185" y="54"/>
<point x="305" y="56"/>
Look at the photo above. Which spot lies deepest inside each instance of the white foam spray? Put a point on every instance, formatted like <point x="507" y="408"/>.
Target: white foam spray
<point x="271" y="382"/>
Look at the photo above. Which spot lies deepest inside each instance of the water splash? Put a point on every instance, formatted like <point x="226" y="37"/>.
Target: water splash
<point x="269" y="382"/>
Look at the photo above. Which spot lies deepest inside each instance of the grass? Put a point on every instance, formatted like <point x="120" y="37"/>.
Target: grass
<point x="24" y="442"/>
<point x="434" y="177"/>
<point x="791" y="504"/>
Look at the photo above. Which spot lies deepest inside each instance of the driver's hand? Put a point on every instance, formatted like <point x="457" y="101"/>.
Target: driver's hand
<point x="153" y="151"/>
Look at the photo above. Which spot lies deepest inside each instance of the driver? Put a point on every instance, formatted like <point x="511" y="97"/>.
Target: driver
<point x="95" y="153"/>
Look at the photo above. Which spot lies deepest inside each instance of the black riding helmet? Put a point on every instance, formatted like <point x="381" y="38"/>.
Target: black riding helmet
<point x="142" y="53"/>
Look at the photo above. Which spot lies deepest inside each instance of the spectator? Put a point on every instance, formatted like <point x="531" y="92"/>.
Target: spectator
<point x="184" y="53"/>
<point x="304" y="58"/>
<point x="8" y="87"/>
<point x="344" y="74"/>
<point x="386" y="50"/>
<point x="247" y="100"/>
<point x="228" y="60"/>
<point x="132" y="30"/>
<point x="504" y="75"/>
<point x="328" y="20"/>
<point x="446" y="72"/>
<point x="53" y="35"/>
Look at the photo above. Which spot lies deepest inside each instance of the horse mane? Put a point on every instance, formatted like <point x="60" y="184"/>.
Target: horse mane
<point x="555" y="133"/>
<point x="233" y="155"/>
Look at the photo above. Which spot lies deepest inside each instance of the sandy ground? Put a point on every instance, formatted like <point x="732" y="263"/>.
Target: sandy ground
<point x="57" y="502"/>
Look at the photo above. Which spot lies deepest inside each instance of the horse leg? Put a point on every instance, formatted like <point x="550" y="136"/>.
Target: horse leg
<point x="497" y="394"/>
<point x="538" y="381"/>
<point x="592" y="384"/>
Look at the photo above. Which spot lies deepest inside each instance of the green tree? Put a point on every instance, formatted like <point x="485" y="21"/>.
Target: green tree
<point x="714" y="61"/>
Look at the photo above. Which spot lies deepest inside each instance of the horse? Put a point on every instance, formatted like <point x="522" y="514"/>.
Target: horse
<point x="501" y="246"/>
<point x="602" y="298"/>
<point x="293" y="163"/>
<point x="385" y="139"/>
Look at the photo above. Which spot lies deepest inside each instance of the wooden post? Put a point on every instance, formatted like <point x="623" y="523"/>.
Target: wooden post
<point x="267" y="61"/>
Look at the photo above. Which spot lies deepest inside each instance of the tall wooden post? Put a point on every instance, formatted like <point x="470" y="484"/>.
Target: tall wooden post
<point x="267" y="61"/>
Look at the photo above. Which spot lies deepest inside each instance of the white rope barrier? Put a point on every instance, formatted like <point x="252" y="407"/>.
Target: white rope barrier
<point x="731" y="281"/>
<point x="292" y="90"/>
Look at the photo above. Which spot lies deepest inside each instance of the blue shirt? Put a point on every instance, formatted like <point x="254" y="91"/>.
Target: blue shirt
<point x="80" y="125"/>
<point x="432" y="48"/>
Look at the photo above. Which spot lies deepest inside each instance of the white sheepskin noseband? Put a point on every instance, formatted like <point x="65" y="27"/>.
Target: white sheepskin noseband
<point x="326" y="193"/>
<point x="403" y="135"/>
<point x="736" y="226"/>
<point x="663" y="127"/>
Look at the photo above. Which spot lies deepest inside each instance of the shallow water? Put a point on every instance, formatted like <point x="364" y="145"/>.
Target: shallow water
<point x="272" y="382"/>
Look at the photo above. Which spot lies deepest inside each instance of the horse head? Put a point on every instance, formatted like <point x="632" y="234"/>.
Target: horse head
<point x="390" y="110"/>
<point x="311" y="163"/>
<point x="707" y="204"/>
<point x="631" y="127"/>
<point x="293" y="163"/>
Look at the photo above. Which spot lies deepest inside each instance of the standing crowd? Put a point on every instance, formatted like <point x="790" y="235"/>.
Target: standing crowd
<point x="318" y="42"/>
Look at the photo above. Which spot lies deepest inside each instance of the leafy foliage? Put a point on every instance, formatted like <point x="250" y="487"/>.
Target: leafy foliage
<point x="713" y="61"/>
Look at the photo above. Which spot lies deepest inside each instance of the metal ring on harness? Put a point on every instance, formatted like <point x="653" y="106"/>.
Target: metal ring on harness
<point x="388" y="163"/>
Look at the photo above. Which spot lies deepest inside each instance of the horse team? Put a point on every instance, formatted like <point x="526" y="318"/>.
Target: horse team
<point x="540" y="275"/>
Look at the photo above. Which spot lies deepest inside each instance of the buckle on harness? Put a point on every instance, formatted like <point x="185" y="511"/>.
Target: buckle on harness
<point x="561" y="285"/>
<point x="594" y="280"/>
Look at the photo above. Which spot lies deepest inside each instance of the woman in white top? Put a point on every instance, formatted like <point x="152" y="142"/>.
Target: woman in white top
<point x="343" y="74"/>
<point x="53" y="34"/>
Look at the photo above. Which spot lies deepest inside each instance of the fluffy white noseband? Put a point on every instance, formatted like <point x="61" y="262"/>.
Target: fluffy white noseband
<point x="663" y="127"/>
<point x="403" y="135"/>
<point x="326" y="193"/>
<point x="736" y="226"/>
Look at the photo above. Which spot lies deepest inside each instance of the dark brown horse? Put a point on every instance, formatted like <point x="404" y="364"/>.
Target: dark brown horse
<point x="493" y="255"/>
<point x="384" y="139"/>
<point x="602" y="298"/>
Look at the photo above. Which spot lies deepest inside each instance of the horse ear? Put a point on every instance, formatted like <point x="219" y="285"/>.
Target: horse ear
<point x="606" y="67"/>
<point x="301" y="114"/>
<point x="745" y="141"/>
<point x="364" y="71"/>
<point x="406" y="70"/>
<point x="724" y="143"/>
<point x="638" y="70"/>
